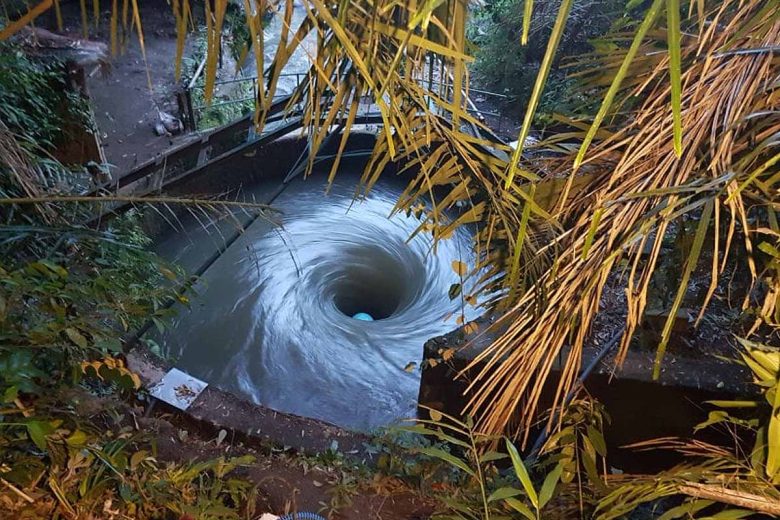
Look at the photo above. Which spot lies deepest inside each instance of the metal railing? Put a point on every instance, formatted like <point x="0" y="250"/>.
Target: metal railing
<point x="191" y="113"/>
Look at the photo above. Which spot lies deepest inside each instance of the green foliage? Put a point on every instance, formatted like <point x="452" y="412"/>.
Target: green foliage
<point x="74" y="304"/>
<point x="503" y="64"/>
<point x="716" y="482"/>
<point x="61" y="468"/>
<point x="230" y="101"/>
<point x="34" y="100"/>
<point x="483" y="490"/>
<point x="61" y="319"/>
<point x="238" y="103"/>
<point x="237" y="29"/>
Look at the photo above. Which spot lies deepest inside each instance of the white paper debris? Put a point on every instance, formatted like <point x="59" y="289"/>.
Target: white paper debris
<point x="178" y="389"/>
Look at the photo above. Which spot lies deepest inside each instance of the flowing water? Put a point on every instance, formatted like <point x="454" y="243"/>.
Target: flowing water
<point x="274" y="318"/>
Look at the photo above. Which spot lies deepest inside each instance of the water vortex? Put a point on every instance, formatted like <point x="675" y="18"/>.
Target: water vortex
<point x="275" y="320"/>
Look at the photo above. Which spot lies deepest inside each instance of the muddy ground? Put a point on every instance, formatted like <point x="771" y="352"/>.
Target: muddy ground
<point x="289" y="482"/>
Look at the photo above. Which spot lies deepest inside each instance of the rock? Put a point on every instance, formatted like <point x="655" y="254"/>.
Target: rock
<point x="167" y="124"/>
<point x="529" y="142"/>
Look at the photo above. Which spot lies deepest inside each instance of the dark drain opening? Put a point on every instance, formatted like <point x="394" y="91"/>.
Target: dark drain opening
<point x="370" y="292"/>
<point x="370" y="281"/>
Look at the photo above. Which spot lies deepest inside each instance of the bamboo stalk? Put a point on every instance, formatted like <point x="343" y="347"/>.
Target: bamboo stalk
<point x="18" y="491"/>
<point x="732" y="497"/>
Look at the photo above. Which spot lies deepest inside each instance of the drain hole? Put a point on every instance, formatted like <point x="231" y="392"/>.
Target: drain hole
<point x="373" y="284"/>
<point x="370" y="281"/>
<point x="369" y="292"/>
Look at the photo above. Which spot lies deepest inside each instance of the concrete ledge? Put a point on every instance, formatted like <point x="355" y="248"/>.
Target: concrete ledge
<point x="215" y="409"/>
<point x="640" y="408"/>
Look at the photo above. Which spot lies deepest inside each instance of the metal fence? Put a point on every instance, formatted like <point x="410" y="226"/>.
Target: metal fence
<point x="192" y="109"/>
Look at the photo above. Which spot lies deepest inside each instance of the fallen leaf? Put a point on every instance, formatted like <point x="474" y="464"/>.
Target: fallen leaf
<point x="460" y="268"/>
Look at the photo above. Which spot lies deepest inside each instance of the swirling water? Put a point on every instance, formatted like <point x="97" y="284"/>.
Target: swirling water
<point x="274" y="318"/>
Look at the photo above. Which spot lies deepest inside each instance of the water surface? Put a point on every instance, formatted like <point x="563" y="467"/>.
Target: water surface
<point x="273" y="321"/>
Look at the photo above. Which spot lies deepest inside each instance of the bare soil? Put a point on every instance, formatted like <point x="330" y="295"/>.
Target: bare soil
<point x="288" y="482"/>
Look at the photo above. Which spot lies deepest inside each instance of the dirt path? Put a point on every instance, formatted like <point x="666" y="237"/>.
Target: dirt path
<point x="125" y="109"/>
<point x="289" y="483"/>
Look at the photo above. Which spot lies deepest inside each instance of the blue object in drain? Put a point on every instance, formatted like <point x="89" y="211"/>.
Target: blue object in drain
<point x="362" y="316"/>
<point x="301" y="516"/>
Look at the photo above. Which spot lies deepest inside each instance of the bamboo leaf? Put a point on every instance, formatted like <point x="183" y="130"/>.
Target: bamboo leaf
<point x="730" y="514"/>
<point x="491" y="456"/>
<point x="773" y="440"/>
<point x="504" y="493"/>
<point x="139" y="29"/>
<point x="690" y="265"/>
<point x="449" y="458"/>
<point x="58" y="14"/>
<point x="519" y="241"/>
<point x="675" y="69"/>
<point x="648" y="21"/>
<point x="597" y="439"/>
<point x="84" y="19"/>
<point x="114" y="28"/>
<point x="549" y="485"/>
<point x="594" y="224"/>
<point x="520" y="508"/>
<point x="686" y="510"/>
<point x="528" y="11"/>
<point x="15" y="26"/>
<point x="360" y="64"/>
<point x="733" y="404"/>
<point x="541" y="80"/>
<point x="522" y="474"/>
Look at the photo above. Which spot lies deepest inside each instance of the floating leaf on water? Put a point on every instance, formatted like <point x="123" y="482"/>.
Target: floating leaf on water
<point x="470" y="328"/>
<point x="460" y="268"/>
<point x="410" y="366"/>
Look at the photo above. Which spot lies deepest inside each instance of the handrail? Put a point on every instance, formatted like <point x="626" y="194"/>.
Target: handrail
<point x="210" y="138"/>
<point x="167" y="182"/>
